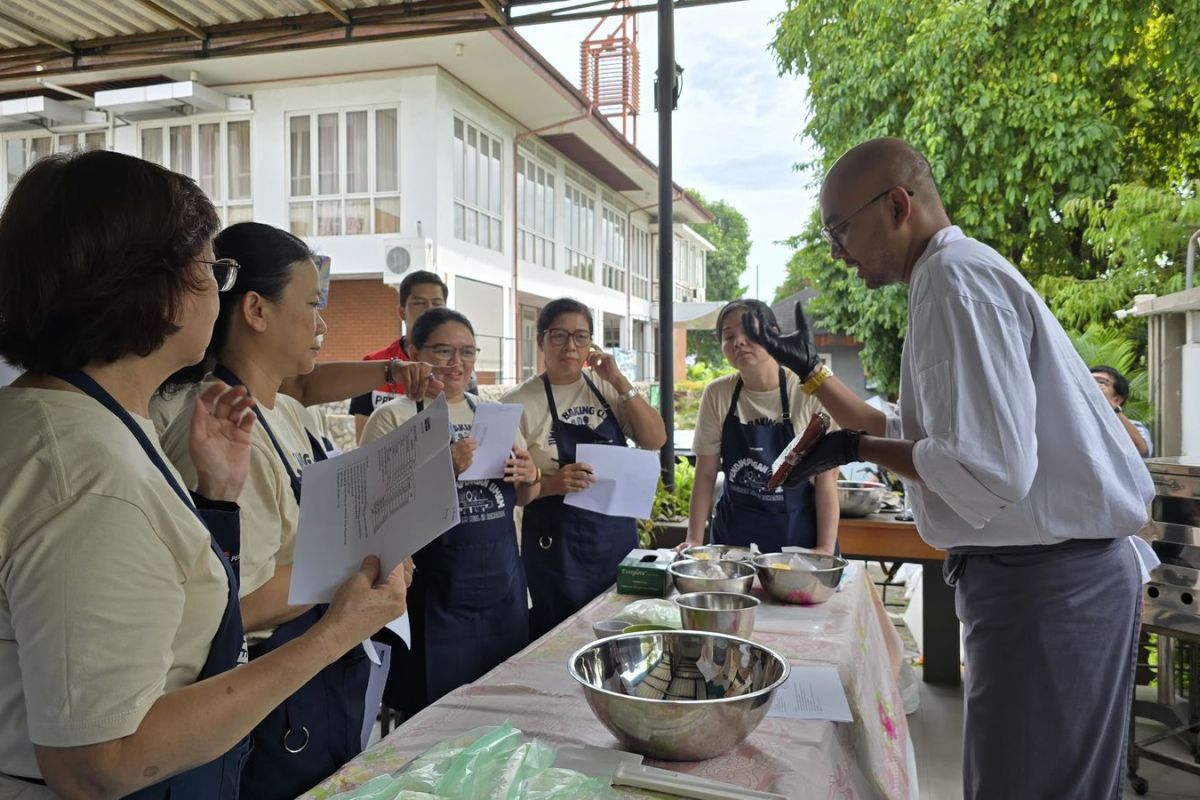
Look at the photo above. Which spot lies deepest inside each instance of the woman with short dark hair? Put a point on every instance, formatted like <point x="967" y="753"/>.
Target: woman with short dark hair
<point x="571" y="554"/>
<point x="119" y="616"/>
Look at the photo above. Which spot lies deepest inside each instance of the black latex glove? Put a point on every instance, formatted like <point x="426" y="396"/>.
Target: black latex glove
<point x="831" y="450"/>
<point x="796" y="351"/>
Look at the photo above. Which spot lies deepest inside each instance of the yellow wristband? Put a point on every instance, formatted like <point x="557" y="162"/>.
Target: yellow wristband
<point x="819" y="376"/>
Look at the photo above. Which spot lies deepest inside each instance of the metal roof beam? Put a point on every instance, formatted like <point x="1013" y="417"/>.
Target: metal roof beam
<point x="492" y="9"/>
<point x="156" y="8"/>
<point x="341" y="15"/>
<point x="34" y="33"/>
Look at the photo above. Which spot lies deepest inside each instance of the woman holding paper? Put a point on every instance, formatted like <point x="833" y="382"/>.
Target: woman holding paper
<point x="746" y="420"/>
<point x="269" y="328"/>
<point x="571" y="554"/>
<point x="468" y="605"/>
<point x="120" y="629"/>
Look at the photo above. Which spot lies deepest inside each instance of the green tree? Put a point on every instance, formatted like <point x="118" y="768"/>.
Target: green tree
<point x="1048" y="126"/>
<point x="730" y="234"/>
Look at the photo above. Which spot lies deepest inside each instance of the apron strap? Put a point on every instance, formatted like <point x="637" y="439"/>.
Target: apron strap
<point x="783" y="396"/>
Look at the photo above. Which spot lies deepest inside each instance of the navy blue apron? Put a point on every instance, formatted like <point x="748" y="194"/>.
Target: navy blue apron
<point x="467" y="603"/>
<point x="219" y="778"/>
<point x="319" y="728"/>
<point x="747" y="512"/>
<point x="571" y="554"/>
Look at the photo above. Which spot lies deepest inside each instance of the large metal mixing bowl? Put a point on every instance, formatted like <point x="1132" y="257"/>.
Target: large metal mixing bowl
<point x="797" y="585"/>
<point x="719" y="612"/>
<point x="678" y="695"/>
<point x="712" y="576"/>
<point x="860" y="498"/>
<point x="718" y="552"/>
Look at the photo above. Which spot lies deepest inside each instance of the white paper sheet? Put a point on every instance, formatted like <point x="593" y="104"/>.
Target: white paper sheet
<point x="375" y="686"/>
<point x="388" y="498"/>
<point x="495" y="429"/>
<point x="626" y="478"/>
<point x="812" y="692"/>
<point x="402" y="628"/>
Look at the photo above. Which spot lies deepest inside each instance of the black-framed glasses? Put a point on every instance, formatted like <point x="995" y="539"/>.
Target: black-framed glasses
<point x="224" y="272"/>
<point x="558" y="337"/>
<point x="444" y="353"/>
<point x="832" y="234"/>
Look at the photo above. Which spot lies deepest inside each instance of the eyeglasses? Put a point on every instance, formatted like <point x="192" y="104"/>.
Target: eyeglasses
<point x="1102" y="381"/>
<point x="224" y="271"/>
<point x="444" y="353"/>
<point x="558" y="337"/>
<point x="832" y="234"/>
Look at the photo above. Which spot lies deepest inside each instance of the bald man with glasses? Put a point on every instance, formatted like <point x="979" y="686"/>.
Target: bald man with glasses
<point x="1015" y="464"/>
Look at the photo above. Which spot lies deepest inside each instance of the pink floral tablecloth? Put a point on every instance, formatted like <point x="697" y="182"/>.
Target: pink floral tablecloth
<point x="800" y="759"/>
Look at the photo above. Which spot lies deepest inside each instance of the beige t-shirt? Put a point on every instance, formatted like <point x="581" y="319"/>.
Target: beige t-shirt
<point x="269" y="509"/>
<point x="577" y="405"/>
<point x="110" y="592"/>
<point x="164" y="408"/>
<point x="753" y="408"/>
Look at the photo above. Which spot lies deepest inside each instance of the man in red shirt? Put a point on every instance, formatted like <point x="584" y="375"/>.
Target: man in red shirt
<point x="419" y="292"/>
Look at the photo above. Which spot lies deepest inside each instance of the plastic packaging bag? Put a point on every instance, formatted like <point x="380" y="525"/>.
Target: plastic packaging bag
<point x="561" y="784"/>
<point x="652" y="611"/>
<point x="382" y="787"/>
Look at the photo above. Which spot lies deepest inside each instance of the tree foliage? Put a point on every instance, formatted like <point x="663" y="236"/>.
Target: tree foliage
<point x="730" y="234"/>
<point x="1066" y="135"/>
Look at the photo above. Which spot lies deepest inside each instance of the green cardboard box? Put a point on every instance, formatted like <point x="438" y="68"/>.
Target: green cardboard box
<point x="644" y="572"/>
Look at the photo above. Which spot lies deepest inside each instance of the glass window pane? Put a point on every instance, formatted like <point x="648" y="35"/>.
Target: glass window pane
<point x="358" y="217"/>
<point x="329" y="218"/>
<point x="300" y="137"/>
<point x="460" y="187"/>
<point x="40" y="147"/>
<point x="238" y="136"/>
<point x="152" y="149"/>
<point x="14" y="155"/>
<point x="357" y="178"/>
<point x="470" y="234"/>
<point x="244" y="214"/>
<point x="180" y="143"/>
<point x="485" y="178"/>
<point x="68" y="142"/>
<point x="472" y="161"/>
<point x="208" y="167"/>
<point x="387" y="214"/>
<point x="496" y="185"/>
<point x="96" y="140"/>
<point x="327" y="155"/>
<point x="387" y="150"/>
<point x="459" y="222"/>
<point x="300" y="218"/>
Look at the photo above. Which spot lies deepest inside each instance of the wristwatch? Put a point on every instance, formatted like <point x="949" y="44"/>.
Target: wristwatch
<point x="627" y="396"/>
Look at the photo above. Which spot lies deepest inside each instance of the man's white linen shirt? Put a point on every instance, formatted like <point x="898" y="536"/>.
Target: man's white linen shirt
<point x="1015" y="445"/>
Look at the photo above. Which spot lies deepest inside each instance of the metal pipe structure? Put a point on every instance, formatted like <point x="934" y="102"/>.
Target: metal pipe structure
<point x="1190" y="274"/>
<point x="666" y="236"/>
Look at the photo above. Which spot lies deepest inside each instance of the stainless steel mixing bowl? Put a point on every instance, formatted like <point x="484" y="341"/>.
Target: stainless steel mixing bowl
<point x="678" y="695"/>
<point x="804" y="587"/>
<point x="727" y="576"/>
<point x="719" y="612"/>
<point x="719" y="552"/>
<point x="860" y="498"/>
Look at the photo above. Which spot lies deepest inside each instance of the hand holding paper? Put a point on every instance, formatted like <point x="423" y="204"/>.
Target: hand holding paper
<point x="625" y="481"/>
<point x="494" y="430"/>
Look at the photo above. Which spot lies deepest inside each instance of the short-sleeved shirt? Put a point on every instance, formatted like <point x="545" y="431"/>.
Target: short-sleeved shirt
<point x="110" y="592"/>
<point x="165" y="407"/>
<point x="394" y="413"/>
<point x="269" y="509"/>
<point x="577" y="405"/>
<point x="754" y="408"/>
<point x="364" y="404"/>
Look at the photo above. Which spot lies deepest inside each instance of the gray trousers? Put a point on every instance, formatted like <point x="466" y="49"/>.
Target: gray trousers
<point x="1050" y="642"/>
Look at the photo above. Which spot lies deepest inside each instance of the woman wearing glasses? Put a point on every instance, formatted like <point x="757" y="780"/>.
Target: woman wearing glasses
<point x="119" y="619"/>
<point x="468" y="606"/>
<point x="571" y="554"/>
<point x="269" y="328"/>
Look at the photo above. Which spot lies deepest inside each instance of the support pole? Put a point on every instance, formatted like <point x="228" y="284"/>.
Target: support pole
<point x="666" y="235"/>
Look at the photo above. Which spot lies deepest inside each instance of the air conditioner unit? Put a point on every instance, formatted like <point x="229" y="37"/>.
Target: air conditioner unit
<point x="401" y="256"/>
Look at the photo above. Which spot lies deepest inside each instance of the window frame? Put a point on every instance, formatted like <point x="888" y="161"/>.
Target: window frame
<point x="465" y="208"/>
<point x="614" y="235"/>
<point x="532" y="239"/>
<point x="585" y="268"/>
<point x="226" y="206"/>
<point x="54" y="137"/>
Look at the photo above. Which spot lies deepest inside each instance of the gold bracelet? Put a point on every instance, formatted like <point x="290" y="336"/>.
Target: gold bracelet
<point x="819" y="376"/>
<point x="538" y="479"/>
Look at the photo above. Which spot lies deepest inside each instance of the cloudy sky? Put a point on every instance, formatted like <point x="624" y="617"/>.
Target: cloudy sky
<point x="736" y="129"/>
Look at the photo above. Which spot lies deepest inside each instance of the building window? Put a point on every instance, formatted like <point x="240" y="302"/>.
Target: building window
<point x="344" y="172"/>
<point x="21" y="151"/>
<point x="214" y="154"/>
<point x="478" y="186"/>
<point x="612" y="331"/>
<point x="580" y="229"/>
<point x="612" y="230"/>
<point x="535" y="211"/>
<point x="639" y="274"/>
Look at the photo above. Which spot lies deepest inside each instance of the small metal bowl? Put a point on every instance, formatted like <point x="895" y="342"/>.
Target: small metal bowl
<point x="719" y="552"/>
<point x="860" y="498"/>
<point x="678" y="695"/>
<point x="800" y="586"/>
<point x="718" y="612"/>
<point x="689" y="576"/>
<point x="608" y="627"/>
